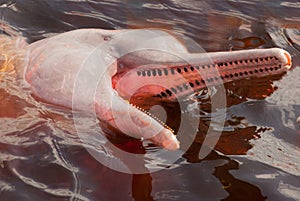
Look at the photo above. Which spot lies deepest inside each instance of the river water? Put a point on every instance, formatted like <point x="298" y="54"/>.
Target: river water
<point x="256" y="158"/>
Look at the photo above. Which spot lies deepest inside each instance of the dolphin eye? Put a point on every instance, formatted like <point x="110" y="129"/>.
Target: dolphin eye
<point x="106" y="38"/>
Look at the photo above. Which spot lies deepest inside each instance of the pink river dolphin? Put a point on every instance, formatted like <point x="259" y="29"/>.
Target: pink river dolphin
<point x="90" y="70"/>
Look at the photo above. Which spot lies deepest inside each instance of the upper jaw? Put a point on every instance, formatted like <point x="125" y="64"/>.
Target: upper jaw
<point x="283" y="57"/>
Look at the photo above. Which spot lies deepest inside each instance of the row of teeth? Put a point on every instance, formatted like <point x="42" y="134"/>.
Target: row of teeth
<point x="181" y="69"/>
<point x="192" y="84"/>
<point x="154" y="117"/>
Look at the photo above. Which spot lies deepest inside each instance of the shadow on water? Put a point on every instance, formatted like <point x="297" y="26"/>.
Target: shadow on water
<point x="256" y="158"/>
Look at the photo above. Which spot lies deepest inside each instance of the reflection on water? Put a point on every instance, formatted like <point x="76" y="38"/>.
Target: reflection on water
<point x="257" y="157"/>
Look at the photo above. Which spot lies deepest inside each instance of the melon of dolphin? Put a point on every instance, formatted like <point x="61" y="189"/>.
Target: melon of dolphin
<point x="61" y="65"/>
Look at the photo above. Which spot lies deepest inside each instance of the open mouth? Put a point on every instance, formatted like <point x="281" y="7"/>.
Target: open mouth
<point x="172" y="82"/>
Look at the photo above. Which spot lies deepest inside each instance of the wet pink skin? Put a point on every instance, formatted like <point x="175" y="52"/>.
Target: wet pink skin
<point x="55" y="65"/>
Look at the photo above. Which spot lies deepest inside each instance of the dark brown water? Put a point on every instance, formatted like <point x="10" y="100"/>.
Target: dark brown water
<point x="256" y="158"/>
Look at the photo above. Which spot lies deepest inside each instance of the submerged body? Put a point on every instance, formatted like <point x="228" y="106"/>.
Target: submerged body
<point x="89" y="70"/>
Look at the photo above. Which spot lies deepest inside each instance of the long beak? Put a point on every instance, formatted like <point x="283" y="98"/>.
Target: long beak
<point x="176" y="80"/>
